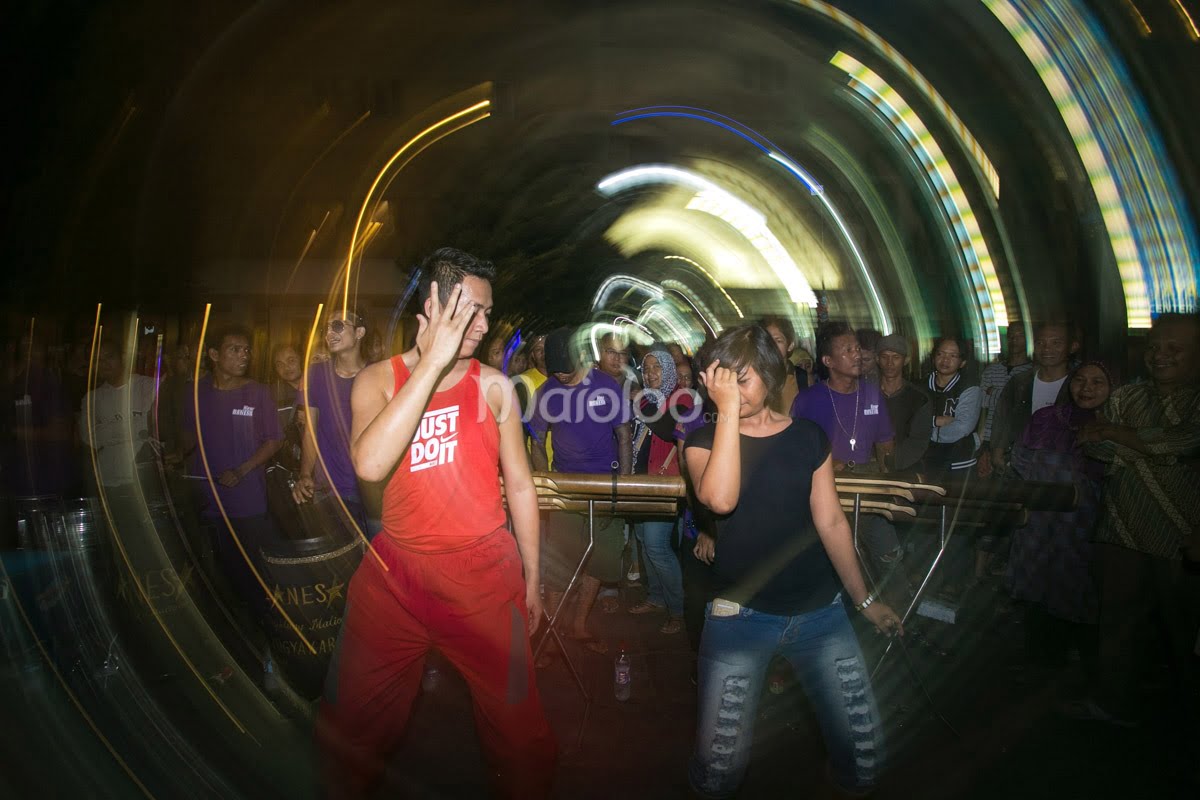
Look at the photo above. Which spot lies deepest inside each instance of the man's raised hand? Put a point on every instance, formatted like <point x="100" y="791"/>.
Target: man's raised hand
<point x="440" y="335"/>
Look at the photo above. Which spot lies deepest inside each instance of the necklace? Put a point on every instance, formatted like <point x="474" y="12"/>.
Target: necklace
<point x="852" y="433"/>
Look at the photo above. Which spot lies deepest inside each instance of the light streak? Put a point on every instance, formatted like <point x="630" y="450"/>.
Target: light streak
<point x="715" y="201"/>
<point x="819" y="192"/>
<point x="410" y="149"/>
<point x="714" y="282"/>
<point x="310" y="430"/>
<point x="981" y="272"/>
<point x="1150" y="232"/>
<point x="613" y="282"/>
<point x="212" y="485"/>
<point x="968" y="142"/>
<point x="1189" y="24"/>
<point x="1143" y="26"/>
<point x="102" y="492"/>
<point x="773" y="151"/>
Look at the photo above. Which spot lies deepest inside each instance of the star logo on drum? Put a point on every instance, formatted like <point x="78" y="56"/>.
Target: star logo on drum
<point x="333" y="593"/>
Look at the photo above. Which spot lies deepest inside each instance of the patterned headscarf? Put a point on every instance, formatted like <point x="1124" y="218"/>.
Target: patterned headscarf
<point x="669" y="378"/>
<point x="1056" y="430"/>
<point x="659" y="396"/>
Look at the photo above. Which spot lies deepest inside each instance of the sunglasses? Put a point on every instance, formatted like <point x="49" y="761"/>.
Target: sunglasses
<point x="339" y="325"/>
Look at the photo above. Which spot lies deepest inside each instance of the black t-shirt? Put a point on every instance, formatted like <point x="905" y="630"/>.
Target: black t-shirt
<point x="912" y="419"/>
<point x="769" y="557"/>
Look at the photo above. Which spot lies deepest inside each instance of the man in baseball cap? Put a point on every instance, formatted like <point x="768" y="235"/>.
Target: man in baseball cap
<point x="907" y="404"/>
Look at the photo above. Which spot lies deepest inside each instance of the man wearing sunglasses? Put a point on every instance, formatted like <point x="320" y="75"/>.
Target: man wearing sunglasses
<point x="326" y="472"/>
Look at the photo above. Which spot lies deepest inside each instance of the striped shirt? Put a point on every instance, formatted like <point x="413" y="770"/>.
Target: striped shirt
<point x="1151" y="500"/>
<point x="994" y="379"/>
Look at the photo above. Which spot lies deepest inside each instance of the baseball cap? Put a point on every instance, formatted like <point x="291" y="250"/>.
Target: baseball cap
<point x="893" y="342"/>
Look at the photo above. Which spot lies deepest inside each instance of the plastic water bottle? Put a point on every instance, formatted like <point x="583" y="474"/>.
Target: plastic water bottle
<point x="431" y="678"/>
<point x="622" y="675"/>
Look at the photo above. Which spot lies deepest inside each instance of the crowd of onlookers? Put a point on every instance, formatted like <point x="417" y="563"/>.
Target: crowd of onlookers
<point x="1098" y="579"/>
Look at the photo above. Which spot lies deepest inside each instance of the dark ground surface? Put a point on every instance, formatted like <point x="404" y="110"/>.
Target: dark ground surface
<point x="1008" y="739"/>
<point x="1001" y="736"/>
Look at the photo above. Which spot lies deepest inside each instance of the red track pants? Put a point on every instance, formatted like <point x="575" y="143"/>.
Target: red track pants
<point x="470" y="605"/>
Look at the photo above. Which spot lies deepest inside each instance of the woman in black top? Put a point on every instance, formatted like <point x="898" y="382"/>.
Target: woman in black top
<point x="784" y="561"/>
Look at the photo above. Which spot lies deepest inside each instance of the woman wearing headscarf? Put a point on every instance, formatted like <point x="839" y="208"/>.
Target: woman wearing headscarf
<point x="655" y="452"/>
<point x="1050" y="563"/>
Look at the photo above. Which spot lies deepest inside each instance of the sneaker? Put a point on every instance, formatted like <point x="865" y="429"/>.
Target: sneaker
<point x="645" y="607"/>
<point x="1087" y="710"/>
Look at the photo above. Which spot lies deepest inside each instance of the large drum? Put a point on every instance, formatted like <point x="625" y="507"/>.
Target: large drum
<point x="309" y="579"/>
<point x="62" y="578"/>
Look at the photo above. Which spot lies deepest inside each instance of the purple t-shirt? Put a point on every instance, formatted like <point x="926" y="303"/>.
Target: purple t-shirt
<point x="582" y="419"/>
<point x="234" y="423"/>
<point x="329" y="393"/>
<point x="835" y="413"/>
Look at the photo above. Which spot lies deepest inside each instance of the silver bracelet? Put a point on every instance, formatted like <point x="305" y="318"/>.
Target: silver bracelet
<point x="866" y="602"/>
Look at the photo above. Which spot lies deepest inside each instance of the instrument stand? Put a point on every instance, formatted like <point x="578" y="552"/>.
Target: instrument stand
<point x="552" y="629"/>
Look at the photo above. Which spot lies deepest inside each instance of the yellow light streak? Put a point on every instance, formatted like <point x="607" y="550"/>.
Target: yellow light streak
<point x="212" y="485"/>
<point x="310" y="431"/>
<point x="893" y="56"/>
<point x="102" y="493"/>
<point x="416" y="144"/>
<point x="1143" y="26"/>
<point x="1189" y="24"/>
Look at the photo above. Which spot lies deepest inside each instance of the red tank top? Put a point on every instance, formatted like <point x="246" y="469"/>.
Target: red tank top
<point x="445" y="493"/>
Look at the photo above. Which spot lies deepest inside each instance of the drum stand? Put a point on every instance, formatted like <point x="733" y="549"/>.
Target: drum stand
<point x="552" y="621"/>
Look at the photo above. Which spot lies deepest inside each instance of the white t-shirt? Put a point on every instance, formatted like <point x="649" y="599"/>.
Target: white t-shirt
<point x="1044" y="394"/>
<point x="119" y="425"/>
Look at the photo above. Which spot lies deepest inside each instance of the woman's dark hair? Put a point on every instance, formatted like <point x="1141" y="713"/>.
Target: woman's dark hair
<point x="449" y="266"/>
<point x="868" y="339"/>
<point x="964" y="347"/>
<point x="784" y="326"/>
<point x="747" y="346"/>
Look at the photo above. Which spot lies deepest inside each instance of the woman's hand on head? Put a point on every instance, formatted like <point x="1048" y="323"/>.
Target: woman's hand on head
<point x="722" y="385"/>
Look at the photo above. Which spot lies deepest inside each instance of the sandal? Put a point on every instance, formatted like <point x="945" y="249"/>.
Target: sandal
<point x="672" y="626"/>
<point x="644" y="607"/>
<point x="597" y="646"/>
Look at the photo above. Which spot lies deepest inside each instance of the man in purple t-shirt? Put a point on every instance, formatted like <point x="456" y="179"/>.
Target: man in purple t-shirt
<point x="238" y="434"/>
<point x="589" y="418"/>
<point x="854" y="416"/>
<point x="326" y="472"/>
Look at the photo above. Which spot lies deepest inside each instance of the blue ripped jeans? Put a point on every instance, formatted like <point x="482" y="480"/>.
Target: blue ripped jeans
<point x="823" y="650"/>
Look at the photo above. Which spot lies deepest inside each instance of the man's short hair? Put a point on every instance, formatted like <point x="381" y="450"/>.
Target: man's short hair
<point x="868" y="338"/>
<point x="783" y="324"/>
<point x="450" y="266"/>
<point x="1068" y="328"/>
<point x="217" y="336"/>
<point x="1192" y="317"/>
<point x="834" y="329"/>
<point x="748" y="346"/>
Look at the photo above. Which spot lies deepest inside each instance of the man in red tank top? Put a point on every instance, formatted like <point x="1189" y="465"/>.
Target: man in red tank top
<point x="439" y="428"/>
